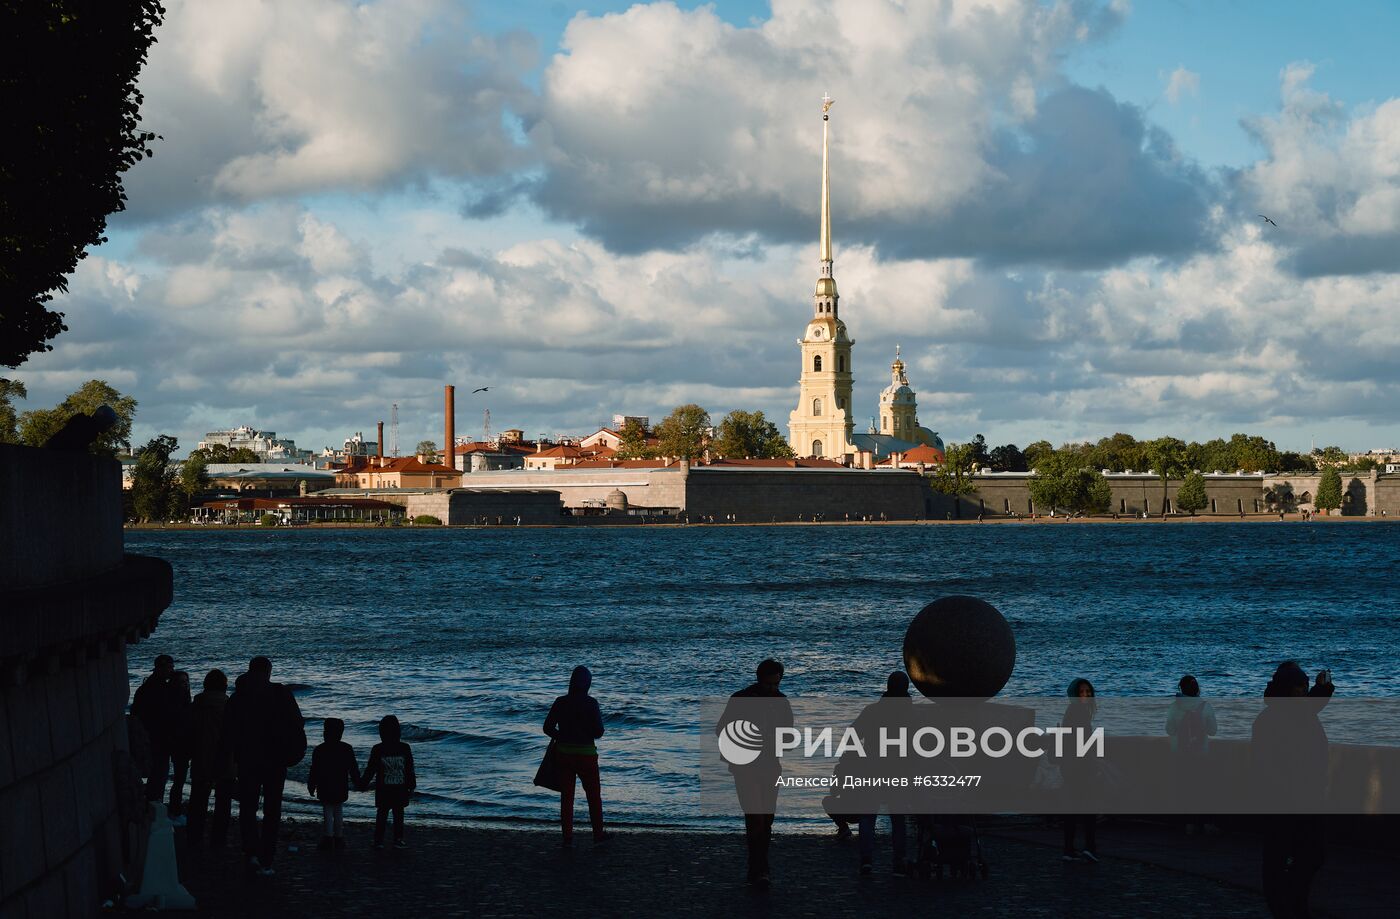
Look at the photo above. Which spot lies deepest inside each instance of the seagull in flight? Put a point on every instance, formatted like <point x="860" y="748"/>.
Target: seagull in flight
<point x="480" y="389"/>
<point x="1267" y="220"/>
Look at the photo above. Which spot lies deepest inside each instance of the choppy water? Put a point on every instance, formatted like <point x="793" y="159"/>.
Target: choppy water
<point x="467" y="635"/>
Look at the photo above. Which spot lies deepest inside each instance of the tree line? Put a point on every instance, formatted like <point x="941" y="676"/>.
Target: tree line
<point x="688" y="433"/>
<point x="1070" y="477"/>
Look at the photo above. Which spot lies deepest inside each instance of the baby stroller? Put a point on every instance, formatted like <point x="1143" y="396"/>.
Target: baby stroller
<point x="950" y="844"/>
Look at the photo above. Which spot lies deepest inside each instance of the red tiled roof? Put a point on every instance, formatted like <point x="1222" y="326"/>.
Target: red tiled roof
<point x="621" y="464"/>
<point x="400" y="464"/>
<point x="563" y="451"/>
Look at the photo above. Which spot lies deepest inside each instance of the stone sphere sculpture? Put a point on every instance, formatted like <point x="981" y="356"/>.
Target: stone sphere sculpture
<point x="959" y="647"/>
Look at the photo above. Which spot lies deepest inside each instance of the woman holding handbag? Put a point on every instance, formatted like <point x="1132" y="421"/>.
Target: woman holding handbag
<point x="574" y="724"/>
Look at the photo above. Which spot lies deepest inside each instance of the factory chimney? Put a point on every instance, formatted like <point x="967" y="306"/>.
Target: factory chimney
<point x="379" y="451"/>
<point x="449" y="436"/>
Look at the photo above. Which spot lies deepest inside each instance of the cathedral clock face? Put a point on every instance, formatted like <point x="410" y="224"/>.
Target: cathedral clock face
<point x="817" y="332"/>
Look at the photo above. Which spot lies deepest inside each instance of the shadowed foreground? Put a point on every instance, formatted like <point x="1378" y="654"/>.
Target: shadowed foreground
<point x="488" y="872"/>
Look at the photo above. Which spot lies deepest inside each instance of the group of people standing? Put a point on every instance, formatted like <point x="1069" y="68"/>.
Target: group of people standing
<point x="240" y="746"/>
<point x="1288" y="744"/>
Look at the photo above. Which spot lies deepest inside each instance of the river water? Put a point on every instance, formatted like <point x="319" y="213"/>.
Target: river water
<point x="467" y="635"/>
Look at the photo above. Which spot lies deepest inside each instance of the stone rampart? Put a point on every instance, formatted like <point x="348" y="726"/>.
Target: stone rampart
<point x="71" y="813"/>
<point x="764" y="495"/>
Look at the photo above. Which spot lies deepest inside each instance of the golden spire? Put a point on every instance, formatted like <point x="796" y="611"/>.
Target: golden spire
<point x="826" y="180"/>
<point x="826" y="284"/>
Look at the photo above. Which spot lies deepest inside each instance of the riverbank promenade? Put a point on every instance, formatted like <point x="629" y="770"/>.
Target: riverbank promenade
<point x="510" y="873"/>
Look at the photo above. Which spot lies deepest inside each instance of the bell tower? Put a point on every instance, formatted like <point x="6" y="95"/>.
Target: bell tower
<point x="822" y="424"/>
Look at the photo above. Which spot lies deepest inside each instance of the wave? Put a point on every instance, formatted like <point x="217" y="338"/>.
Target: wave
<point x="417" y="733"/>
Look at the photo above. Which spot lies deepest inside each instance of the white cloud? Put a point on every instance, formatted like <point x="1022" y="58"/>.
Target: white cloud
<point x="1182" y="82"/>
<point x="315" y="343"/>
<point x="256" y="100"/>
<point x="1330" y="179"/>
<point x="953" y="132"/>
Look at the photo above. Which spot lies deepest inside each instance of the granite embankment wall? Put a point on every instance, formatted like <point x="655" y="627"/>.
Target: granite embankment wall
<point x="72" y="817"/>
<point x="471" y="506"/>
<point x="749" y="494"/>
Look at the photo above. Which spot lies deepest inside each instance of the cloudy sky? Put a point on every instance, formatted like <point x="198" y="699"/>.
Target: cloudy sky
<point x="1051" y="206"/>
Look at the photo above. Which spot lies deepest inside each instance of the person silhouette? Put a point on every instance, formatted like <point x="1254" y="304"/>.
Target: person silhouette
<point x="390" y="770"/>
<point x="334" y="771"/>
<point x="892" y="710"/>
<point x="575" y="723"/>
<point x="264" y="729"/>
<point x="211" y="763"/>
<point x="1289" y="755"/>
<point x="1190" y="725"/>
<point x="159" y="706"/>
<point x="1078" y="772"/>
<point x="764" y="706"/>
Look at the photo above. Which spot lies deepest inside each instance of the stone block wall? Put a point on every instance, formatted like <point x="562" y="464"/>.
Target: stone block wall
<point x="764" y="495"/>
<point x="468" y="507"/>
<point x="65" y="779"/>
<point x="1004" y="494"/>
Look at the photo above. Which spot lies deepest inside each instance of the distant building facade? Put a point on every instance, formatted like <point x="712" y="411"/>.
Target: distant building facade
<point x="266" y="444"/>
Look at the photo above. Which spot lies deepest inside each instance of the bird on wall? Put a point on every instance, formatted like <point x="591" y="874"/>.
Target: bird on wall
<point x="480" y="389"/>
<point x="1267" y="220"/>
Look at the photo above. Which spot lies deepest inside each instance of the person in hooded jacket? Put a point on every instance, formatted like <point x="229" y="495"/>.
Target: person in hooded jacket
<point x="264" y="730"/>
<point x="1191" y="724"/>
<point x="211" y="763"/>
<point x="575" y="723"/>
<point x="1289" y="754"/>
<point x="390" y="770"/>
<point x="334" y="771"/>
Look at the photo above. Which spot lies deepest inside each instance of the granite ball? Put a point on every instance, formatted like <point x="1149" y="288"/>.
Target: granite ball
<point x="959" y="647"/>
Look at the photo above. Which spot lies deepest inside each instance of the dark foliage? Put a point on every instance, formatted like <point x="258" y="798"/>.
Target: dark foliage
<point x="68" y="71"/>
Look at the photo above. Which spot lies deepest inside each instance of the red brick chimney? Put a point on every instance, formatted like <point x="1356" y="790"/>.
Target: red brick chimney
<point x="449" y="421"/>
<point x="379" y="453"/>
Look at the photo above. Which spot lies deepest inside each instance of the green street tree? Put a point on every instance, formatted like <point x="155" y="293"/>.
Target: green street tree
<point x="684" y="433"/>
<point x="9" y="418"/>
<point x="222" y="453"/>
<point x="1191" y="496"/>
<point x="1064" y="481"/>
<point x="1329" y="490"/>
<point x="1007" y="458"/>
<point x="954" y="477"/>
<point x="1330" y="456"/>
<point x="194" y="481"/>
<point x="71" y="116"/>
<point x="428" y="449"/>
<point x="633" y="441"/>
<point x="1036" y="452"/>
<point x="153" y="481"/>
<point x="749" y="435"/>
<point x="1168" y="458"/>
<point x="37" y="426"/>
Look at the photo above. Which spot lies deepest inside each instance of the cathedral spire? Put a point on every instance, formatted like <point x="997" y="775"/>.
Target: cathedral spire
<point x="826" y="284"/>
<point x="826" y="185"/>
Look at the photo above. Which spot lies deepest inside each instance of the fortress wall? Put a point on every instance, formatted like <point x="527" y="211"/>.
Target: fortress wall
<point x="1358" y="491"/>
<point x="759" y="495"/>
<point x="70" y="600"/>
<point x="1002" y="494"/>
<point x="657" y="487"/>
<point x="1387" y="496"/>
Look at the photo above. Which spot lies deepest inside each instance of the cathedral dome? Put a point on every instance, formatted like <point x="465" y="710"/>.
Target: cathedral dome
<point x="826" y="287"/>
<point x="931" y="438"/>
